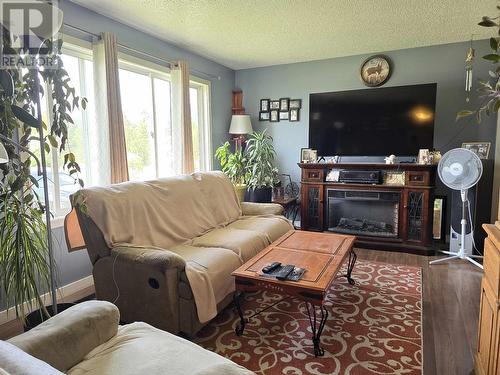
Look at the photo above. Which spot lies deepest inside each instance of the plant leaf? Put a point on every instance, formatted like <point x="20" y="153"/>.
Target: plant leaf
<point x="496" y="107"/>
<point x="6" y="83"/>
<point x="52" y="140"/>
<point x="486" y="22"/>
<point x="492" y="57"/>
<point x="494" y="44"/>
<point x="24" y="116"/>
<point x="464" y="113"/>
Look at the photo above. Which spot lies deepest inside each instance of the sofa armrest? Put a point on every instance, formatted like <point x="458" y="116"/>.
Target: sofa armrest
<point x="65" y="339"/>
<point x="153" y="258"/>
<point x="254" y="209"/>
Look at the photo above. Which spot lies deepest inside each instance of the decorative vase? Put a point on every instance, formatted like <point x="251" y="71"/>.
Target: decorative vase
<point x="240" y="191"/>
<point x="259" y="195"/>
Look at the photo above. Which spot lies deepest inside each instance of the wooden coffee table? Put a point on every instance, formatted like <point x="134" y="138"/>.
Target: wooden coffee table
<point x="321" y="254"/>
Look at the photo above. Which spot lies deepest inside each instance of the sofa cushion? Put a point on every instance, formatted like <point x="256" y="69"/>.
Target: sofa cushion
<point x="139" y="348"/>
<point x="273" y="227"/>
<point x="208" y="270"/>
<point x="14" y="361"/>
<point x="63" y="340"/>
<point x="245" y="243"/>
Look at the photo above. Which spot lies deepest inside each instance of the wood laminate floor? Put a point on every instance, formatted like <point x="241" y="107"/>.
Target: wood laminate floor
<point x="451" y="294"/>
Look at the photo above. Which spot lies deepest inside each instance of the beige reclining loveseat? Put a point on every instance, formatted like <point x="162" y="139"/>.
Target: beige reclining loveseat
<point x="163" y="251"/>
<point x="87" y="340"/>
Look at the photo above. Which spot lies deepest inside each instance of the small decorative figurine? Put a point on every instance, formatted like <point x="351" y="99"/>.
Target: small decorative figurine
<point x="391" y="159"/>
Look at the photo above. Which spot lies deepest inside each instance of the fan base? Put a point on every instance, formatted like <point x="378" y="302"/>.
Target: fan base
<point x="459" y="256"/>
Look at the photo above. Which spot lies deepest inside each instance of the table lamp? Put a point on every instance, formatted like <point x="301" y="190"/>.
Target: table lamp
<point x="240" y="126"/>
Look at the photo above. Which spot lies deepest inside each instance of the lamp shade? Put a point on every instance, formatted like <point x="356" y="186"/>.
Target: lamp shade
<point x="240" y="124"/>
<point x="4" y="158"/>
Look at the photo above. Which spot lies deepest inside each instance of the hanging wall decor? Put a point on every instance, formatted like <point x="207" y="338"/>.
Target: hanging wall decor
<point x="469" y="64"/>
<point x="283" y="109"/>
<point x="375" y="70"/>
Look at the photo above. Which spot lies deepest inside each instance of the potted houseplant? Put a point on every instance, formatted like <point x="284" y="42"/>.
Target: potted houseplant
<point x="233" y="164"/>
<point x="262" y="174"/>
<point x="27" y="267"/>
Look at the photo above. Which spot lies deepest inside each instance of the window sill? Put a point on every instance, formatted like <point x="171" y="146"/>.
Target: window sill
<point x="57" y="222"/>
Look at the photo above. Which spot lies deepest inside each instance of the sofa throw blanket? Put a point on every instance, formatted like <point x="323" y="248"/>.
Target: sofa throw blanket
<point x="164" y="213"/>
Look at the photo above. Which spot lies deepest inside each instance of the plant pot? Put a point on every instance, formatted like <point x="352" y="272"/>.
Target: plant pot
<point x="37" y="317"/>
<point x="240" y="191"/>
<point x="259" y="195"/>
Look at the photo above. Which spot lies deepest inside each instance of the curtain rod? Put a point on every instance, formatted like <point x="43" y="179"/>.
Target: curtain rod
<point x="158" y="59"/>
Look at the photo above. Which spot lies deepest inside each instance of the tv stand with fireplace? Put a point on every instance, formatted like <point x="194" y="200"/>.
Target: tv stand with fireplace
<point x="388" y="215"/>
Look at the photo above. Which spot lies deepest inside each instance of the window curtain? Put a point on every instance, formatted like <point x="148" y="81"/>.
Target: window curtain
<point x="108" y="105"/>
<point x="181" y="114"/>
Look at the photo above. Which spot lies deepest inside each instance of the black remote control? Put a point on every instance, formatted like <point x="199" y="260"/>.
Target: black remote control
<point x="271" y="267"/>
<point x="284" y="272"/>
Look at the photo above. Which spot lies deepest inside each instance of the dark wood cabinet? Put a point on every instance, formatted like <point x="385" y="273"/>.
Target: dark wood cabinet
<point x="404" y="204"/>
<point x="313" y="209"/>
<point x="417" y="214"/>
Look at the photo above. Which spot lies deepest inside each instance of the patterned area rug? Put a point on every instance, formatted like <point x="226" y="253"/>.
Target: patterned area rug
<point x="373" y="327"/>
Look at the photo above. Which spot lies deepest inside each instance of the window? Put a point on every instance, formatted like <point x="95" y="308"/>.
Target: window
<point x="78" y="63"/>
<point x="152" y="141"/>
<point x="145" y="96"/>
<point x="199" y="101"/>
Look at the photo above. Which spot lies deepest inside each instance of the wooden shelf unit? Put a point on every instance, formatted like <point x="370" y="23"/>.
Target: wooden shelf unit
<point x="413" y="234"/>
<point x="488" y="344"/>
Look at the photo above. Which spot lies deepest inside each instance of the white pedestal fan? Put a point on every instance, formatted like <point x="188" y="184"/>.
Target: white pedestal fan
<point x="460" y="169"/>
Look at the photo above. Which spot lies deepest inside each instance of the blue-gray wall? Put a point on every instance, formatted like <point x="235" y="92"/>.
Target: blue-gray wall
<point x="76" y="265"/>
<point x="443" y="64"/>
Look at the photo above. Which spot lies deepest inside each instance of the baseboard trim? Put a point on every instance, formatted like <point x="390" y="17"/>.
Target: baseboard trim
<point x="63" y="295"/>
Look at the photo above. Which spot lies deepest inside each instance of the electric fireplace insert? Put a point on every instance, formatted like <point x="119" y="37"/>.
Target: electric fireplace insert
<point x="363" y="213"/>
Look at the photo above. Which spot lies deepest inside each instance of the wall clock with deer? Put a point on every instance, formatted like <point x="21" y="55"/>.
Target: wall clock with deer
<point x="375" y="70"/>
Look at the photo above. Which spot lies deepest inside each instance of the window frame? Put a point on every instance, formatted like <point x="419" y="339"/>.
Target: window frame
<point x="204" y="88"/>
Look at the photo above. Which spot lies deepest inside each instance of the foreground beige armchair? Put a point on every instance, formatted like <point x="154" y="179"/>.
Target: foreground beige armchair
<point x="163" y="251"/>
<point x="86" y="339"/>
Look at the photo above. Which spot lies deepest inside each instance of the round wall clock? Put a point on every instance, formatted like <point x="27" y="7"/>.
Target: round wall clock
<point x="375" y="70"/>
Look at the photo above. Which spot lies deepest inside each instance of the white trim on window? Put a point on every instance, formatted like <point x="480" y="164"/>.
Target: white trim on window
<point x="77" y="47"/>
<point x="204" y="113"/>
<point x="145" y="67"/>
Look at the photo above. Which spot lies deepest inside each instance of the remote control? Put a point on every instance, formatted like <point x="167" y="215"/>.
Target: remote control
<point x="284" y="272"/>
<point x="270" y="268"/>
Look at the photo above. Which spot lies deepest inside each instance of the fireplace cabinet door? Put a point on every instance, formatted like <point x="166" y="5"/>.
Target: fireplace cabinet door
<point x="416" y="206"/>
<point x="312" y="207"/>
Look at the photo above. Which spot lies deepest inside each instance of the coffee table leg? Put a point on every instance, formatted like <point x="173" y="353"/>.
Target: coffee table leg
<point x="316" y="328"/>
<point x="350" y="266"/>
<point x="241" y="326"/>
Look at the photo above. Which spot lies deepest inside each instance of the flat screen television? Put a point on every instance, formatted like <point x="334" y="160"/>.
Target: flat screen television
<point x="373" y="122"/>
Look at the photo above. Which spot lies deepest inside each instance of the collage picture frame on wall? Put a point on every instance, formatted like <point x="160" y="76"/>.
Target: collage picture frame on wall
<point x="283" y="109"/>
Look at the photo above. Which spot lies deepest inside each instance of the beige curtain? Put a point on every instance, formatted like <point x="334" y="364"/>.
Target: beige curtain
<point x="109" y="112"/>
<point x="181" y="113"/>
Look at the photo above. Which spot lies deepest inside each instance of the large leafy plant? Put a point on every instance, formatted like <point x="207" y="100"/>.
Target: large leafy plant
<point x="260" y="155"/>
<point x="489" y="89"/>
<point x="233" y="164"/>
<point x="24" y="268"/>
